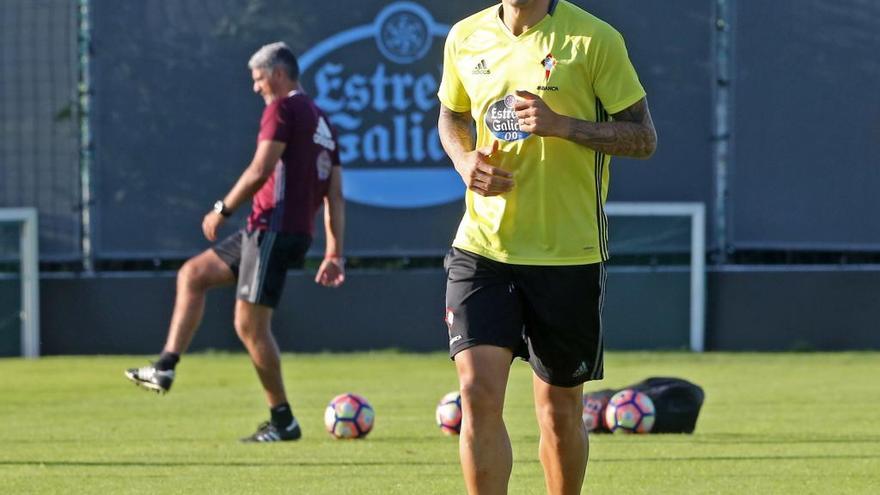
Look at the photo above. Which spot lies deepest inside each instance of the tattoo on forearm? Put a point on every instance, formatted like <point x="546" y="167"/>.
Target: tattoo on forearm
<point x="456" y="131"/>
<point x="631" y="134"/>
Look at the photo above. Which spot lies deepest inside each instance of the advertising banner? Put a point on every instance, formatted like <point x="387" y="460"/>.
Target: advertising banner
<point x="176" y="120"/>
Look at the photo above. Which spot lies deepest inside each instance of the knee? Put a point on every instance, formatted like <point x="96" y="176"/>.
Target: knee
<point x="191" y="276"/>
<point x="560" y="418"/>
<point x="481" y="398"/>
<point x="244" y="328"/>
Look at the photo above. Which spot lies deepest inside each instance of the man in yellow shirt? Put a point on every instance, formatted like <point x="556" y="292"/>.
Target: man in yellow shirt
<point x="553" y="94"/>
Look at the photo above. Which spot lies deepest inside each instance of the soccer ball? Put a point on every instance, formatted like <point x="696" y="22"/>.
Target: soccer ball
<point x="629" y="411"/>
<point x="349" y="416"/>
<point x="449" y="414"/>
<point x="594" y="408"/>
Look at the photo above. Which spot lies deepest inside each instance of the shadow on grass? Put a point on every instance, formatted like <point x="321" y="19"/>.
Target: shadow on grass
<point x="319" y="464"/>
<point x="244" y="464"/>
<point x="817" y="457"/>
<point x="737" y="438"/>
<point x="428" y="439"/>
<point x="659" y="439"/>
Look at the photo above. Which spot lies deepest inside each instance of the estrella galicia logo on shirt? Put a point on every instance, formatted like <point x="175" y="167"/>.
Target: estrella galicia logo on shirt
<point x="502" y="122"/>
<point x="548" y="63"/>
<point x="377" y="83"/>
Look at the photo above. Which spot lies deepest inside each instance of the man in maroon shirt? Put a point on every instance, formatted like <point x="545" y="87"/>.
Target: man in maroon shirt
<point x="294" y="171"/>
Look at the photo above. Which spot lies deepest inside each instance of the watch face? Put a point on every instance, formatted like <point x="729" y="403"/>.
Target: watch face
<point x="218" y="206"/>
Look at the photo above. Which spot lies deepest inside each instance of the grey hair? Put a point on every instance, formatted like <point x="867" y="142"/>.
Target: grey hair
<point x="273" y="55"/>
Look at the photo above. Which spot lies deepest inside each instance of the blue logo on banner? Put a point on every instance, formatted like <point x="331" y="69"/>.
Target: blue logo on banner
<point x="381" y="97"/>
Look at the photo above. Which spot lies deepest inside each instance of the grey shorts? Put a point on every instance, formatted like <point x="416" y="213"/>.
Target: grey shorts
<point x="260" y="260"/>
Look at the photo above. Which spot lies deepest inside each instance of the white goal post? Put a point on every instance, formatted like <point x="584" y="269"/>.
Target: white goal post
<point x="697" y="213"/>
<point x="30" y="276"/>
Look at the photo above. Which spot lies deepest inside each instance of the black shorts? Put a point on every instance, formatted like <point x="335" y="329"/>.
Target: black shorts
<point x="260" y="259"/>
<point x="550" y="316"/>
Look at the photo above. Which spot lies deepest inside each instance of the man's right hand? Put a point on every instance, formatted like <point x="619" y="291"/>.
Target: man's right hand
<point x="480" y="176"/>
<point x="210" y="224"/>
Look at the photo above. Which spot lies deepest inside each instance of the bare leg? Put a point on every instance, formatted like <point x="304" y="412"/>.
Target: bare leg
<point x="563" y="448"/>
<point x="253" y="324"/>
<point x="200" y="273"/>
<point x="484" y="446"/>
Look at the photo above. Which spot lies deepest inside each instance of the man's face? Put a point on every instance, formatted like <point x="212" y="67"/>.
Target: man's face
<point x="265" y="84"/>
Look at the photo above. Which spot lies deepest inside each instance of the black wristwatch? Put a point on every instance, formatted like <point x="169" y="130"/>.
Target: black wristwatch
<point x="220" y="207"/>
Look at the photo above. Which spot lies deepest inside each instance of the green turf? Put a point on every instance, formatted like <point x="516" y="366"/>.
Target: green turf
<point x="772" y="423"/>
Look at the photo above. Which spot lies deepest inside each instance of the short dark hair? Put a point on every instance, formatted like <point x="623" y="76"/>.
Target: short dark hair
<point x="273" y="55"/>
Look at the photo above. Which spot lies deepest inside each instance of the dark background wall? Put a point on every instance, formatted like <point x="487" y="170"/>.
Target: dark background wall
<point x="10" y="320"/>
<point x="174" y="122"/>
<point x="807" y="125"/>
<point x="39" y="122"/>
<point x="404" y="310"/>
<point x="802" y="308"/>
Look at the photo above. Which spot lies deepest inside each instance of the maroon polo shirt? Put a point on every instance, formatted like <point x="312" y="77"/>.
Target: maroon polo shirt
<point x="291" y="196"/>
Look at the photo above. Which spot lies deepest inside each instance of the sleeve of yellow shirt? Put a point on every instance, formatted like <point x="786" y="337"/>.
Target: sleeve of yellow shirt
<point x="452" y="93"/>
<point x="615" y="81"/>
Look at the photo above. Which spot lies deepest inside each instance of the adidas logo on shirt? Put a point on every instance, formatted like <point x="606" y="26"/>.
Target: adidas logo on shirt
<point x="323" y="136"/>
<point x="482" y="68"/>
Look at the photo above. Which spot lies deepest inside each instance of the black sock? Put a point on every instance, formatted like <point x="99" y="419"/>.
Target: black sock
<point x="281" y="415"/>
<point x="167" y="361"/>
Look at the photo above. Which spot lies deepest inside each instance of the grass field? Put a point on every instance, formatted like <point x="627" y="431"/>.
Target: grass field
<point x="771" y="424"/>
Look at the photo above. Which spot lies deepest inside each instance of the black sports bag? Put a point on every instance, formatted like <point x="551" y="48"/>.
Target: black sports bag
<point x="677" y="403"/>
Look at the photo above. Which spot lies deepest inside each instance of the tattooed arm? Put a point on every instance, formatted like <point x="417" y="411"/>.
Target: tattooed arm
<point x="474" y="166"/>
<point x="630" y="134"/>
<point x="456" y="133"/>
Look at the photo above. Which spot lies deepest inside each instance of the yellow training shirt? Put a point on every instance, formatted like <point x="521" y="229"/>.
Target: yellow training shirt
<point x="579" y="66"/>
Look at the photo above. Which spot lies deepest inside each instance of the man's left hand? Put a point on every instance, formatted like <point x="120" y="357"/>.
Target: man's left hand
<point x="210" y="224"/>
<point x="331" y="273"/>
<point x="537" y="118"/>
